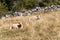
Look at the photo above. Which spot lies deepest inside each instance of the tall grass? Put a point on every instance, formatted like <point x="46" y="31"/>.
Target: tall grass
<point x="46" y="28"/>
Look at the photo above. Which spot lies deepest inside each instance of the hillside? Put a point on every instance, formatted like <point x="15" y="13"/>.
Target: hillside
<point x="46" y="28"/>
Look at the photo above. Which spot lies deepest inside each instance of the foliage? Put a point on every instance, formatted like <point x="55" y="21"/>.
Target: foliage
<point x="50" y="2"/>
<point x="23" y="5"/>
<point x="3" y="10"/>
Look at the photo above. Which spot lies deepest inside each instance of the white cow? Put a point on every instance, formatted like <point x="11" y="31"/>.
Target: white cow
<point x="16" y="26"/>
<point x="34" y="18"/>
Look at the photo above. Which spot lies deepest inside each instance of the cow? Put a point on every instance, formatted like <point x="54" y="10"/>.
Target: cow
<point x="16" y="26"/>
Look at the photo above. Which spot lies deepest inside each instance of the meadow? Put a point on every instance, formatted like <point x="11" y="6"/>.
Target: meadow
<point x="47" y="27"/>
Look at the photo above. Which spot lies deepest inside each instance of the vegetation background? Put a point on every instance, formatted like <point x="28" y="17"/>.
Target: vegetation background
<point x="8" y="6"/>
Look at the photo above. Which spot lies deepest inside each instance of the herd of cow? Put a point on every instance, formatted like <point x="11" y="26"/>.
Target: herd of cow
<point x="35" y="10"/>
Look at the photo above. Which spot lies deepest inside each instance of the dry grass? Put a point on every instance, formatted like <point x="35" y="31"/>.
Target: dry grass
<point x="46" y="28"/>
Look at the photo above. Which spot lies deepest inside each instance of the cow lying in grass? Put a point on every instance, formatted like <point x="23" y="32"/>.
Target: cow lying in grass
<point x="34" y="18"/>
<point x="16" y="26"/>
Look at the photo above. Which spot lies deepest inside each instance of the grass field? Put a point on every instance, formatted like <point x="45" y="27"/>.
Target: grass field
<point x="46" y="28"/>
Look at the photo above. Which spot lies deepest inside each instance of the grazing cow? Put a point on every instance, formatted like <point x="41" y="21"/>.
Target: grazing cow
<point x="34" y="18"/>
<point x="16" y="26"/>
<point x="37" y="17"/>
